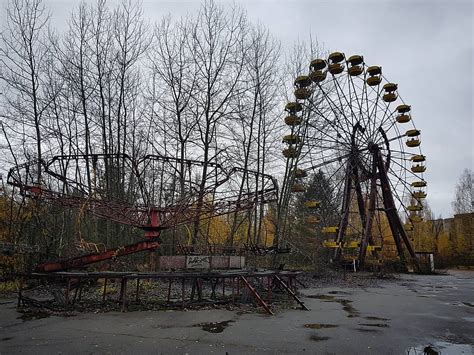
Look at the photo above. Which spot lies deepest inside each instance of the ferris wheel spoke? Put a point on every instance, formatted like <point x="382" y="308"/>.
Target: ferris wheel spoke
<point x="332" y="140"/>
<point x="372" y="113"/>
<point x="325" y="132"/>
<point x="395" y="194"/>
<point x="333" y="160"/>
<point x="387" y="118"/>
<point x="333" y="106"/>
<point x="320" y="114"/>
<point x="340" y="94"/>
<point x="359" y="104"/>
<point x="364" y="120"/>
<point x="348" y="104"/>
<point x="415" y="175"/>
<point x="391" y="123"/>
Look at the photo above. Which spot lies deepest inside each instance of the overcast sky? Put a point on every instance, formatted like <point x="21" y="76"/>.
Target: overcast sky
<point x="426" y="46"/>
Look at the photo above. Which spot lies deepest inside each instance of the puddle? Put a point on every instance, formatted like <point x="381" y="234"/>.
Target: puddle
<point x="378" y="325"/>
<point x="339" y="293"/>
<point x="320" y="326"/>
<point x="322" y="297"/>
<point x="376" y="318"/>
<point x="346" y="304"/>
<point x="368" y="330"/>
<point x="315" y="337"/>
<point x="458" y="303"/>
<point x="441" y="347"/>
<point x="7" y="338"/>
<point x="214" y="327"/>
<point x="351" y="311"/>
<point x="27" y="316"/>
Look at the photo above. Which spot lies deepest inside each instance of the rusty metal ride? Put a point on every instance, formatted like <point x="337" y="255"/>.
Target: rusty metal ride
<point x="152" y="193"/>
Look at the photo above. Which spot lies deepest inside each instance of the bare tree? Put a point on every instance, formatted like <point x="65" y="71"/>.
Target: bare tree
<point x="219" y="48"/>
<point x="173" y="66"/>
<point x="464" y="193"/>
<point x="255" y="118"/>
<point x="21" y="71"/>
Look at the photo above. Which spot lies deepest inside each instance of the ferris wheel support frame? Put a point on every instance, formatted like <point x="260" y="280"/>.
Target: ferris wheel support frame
<point x="371" y="213"/>
<point x="395" y="223"/>
<point x="379" y="171"/>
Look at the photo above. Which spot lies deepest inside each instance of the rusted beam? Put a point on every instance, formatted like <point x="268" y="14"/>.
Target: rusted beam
<point x="256" y="295"/>
<point x="290" y="292"/>
<point x="366" y="238"/>
<point x="396" y="225"/>
<point x="346" y="205"/>
<point x="80" y="261"/>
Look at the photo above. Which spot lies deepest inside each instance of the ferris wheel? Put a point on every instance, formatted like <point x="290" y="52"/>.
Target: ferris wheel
<point x="348" y="121"/>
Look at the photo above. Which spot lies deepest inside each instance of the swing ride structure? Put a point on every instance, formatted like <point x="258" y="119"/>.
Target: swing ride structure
<point x="349" y="122"/>
<point x="153" y="193"/>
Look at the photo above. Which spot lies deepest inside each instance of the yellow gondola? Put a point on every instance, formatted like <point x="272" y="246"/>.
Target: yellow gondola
<point x="418" y="168"/>
<point x="318" y="64"/>
<point x="336" y="57"/>
<point x="300" y="173"/>
<point x="293" y="120"/>
<point x="390" y="92"/>
<point x="318" y="75"/>
<point x="373" y="80"/>
<point x="414" y="142"/>
<point x="293" y="107"/>
<point x="415" y="208"/>
<point x="331" y="244"/>
<point x="336" y="68"/>
<point x="331" y="229"/>
<point x="351" y="245"/>
<point x="303" y="93"/>
<point x="418" y="158"/>
<point x="404" y="118"/>
<point x="302" y="81"/>
<point x="415" y="218"/>
<point x="312" y="204"/>
<point x="374" y="247"/>
<point x="419" y="194"/>
<point x="291" y="139"/>
<point x="375" y="77"/>
<point x="421" y="183"/>
<point x="389" y="97"/>
<point x="355" y="70"/>
<point x="403" y="108"/>
<point x="297" y="187"/>
<point x="356" y="59"/>
<point x="413" y="133"/>
<point x="355" y="65"/>
<point x="290" y="152"/>
<point x="374" y="70"/>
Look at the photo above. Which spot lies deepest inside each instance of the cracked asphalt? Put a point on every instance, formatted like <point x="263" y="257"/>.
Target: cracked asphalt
<point x="401" y="317"/>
